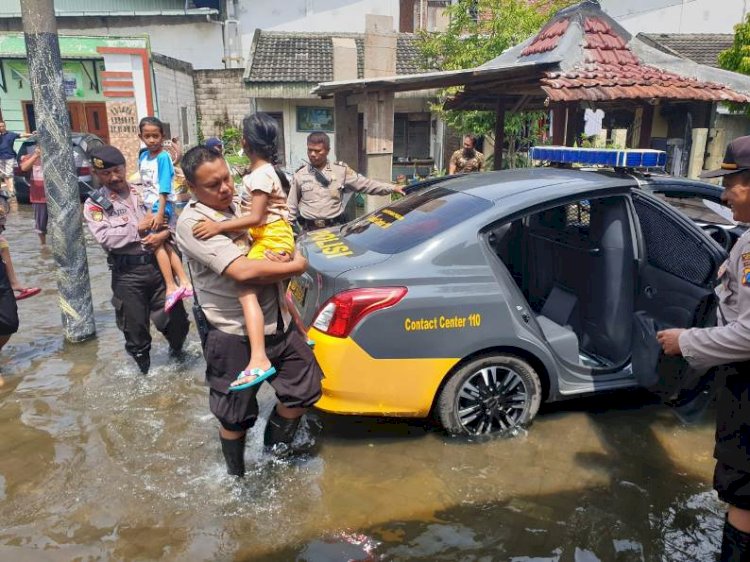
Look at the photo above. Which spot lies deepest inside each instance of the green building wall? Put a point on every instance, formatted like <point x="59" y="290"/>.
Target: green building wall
<point x="80" y="84"/>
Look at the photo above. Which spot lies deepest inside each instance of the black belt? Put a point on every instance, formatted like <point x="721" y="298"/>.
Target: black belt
<point x="124" y="260"/>
<point x="321" y="223"/>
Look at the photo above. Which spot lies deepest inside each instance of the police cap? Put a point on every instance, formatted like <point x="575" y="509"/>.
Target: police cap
<point x="736" y="159"/>
<point x="106" y="156"/>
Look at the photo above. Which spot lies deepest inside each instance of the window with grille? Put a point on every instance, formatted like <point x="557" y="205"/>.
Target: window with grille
<point x="670" y="247"/>
<point x="578" y="215"/>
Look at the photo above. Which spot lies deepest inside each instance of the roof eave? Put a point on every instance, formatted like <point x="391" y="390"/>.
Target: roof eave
<point x="652" y="56"/>
<point x="427" y="80"/>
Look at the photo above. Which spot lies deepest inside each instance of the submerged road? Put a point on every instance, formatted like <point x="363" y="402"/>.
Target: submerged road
<point x="98" y="462"/>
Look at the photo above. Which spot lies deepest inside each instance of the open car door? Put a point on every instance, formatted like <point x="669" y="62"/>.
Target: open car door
<point x="674" y="289"/>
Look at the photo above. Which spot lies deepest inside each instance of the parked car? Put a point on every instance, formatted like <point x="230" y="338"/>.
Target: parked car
<point x="476" y="298"/>
<point x="82" y="145"/>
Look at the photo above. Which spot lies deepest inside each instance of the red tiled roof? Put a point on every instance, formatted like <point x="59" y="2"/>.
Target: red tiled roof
<point x="547" y="38"/>
<point x="610" y="71"/>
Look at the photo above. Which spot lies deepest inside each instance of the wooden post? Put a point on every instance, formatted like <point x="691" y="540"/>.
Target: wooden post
<point x="347" y="131"/>
<point x="380" y="60"/>
<point x="697" y="152"/>
<point x="647" y="123"/>
<point x="499" y="135"/>
<point x="379" y="142"/>
<point x="558" y="124"/>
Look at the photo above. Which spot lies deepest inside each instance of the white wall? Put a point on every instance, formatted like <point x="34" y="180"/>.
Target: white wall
<point x="342" y="16"/>
<point x="134" y="65"/>
<point x="200" y="44"/>
<point x="175" y="90"/>
<point x="677" y="16"/>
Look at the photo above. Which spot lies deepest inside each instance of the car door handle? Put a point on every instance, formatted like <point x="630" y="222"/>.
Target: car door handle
<point x="650" y="292"/>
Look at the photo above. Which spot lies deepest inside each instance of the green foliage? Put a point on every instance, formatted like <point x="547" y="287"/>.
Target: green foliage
<point x="470" y="41"/>
<point x="737" y="58"/>
<point x="199" y="119"/>
<point x="231" y="137"/>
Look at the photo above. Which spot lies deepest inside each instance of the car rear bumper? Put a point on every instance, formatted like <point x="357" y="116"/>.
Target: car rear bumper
<point x="357" y="383"/>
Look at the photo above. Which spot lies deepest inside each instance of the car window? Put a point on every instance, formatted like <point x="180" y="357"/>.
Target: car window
<point x="696" y="208"/>
<point x="410" y="221"/>
<point x="670" y="246"/>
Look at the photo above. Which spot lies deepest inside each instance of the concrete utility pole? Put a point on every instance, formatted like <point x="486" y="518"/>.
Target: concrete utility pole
<point x="60" y="178"/>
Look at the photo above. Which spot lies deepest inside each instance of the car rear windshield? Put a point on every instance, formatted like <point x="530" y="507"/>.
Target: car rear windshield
<point x="410" y="221"/>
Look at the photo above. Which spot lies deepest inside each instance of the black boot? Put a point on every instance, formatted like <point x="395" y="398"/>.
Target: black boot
<point x="279" y="433"/>
<point x="735" y="544"/>
<point x="234" y="455"/>
<point x="143" y="360"/>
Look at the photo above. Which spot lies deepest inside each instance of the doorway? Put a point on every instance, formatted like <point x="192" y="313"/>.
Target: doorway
<point x="85" y="117"/>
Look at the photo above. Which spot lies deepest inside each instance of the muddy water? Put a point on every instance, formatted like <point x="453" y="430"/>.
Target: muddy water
<point x="100" y="463"/>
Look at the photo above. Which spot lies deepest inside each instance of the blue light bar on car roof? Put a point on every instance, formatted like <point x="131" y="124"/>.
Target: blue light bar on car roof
<point x="620" y="158"/>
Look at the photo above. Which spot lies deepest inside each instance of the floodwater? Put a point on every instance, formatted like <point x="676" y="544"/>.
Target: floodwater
<point x="100" y="463"/>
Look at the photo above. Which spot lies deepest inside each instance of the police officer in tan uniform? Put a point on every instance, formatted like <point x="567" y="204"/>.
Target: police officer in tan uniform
<point x="467" y="159"/>
<point x="119" y="221"/>
<point x="219" y="267"/>
<point x="316" y="197"/>
<point x="728" y="346"/>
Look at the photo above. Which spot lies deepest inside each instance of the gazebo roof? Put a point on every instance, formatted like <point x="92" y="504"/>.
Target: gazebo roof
<point x="597" y="63"/>
<point x="581" y="54"/>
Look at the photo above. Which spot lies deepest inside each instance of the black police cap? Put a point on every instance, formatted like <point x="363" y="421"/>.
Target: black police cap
<point x="736" y="159"/>
<point x="106" y="156"/>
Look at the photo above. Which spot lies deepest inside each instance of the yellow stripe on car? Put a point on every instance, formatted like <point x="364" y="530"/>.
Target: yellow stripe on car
<point x="357" y="383"/>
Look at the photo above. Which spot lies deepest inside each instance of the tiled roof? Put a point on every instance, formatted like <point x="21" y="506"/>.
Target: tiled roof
<point x="547" y="38"/>
<point x="308" y="57"/>
<point x="611" y="71"/>
<point x="703" y="48"/>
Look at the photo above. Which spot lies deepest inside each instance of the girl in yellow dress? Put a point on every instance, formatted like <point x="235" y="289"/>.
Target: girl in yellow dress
<point x="266" y="217"/>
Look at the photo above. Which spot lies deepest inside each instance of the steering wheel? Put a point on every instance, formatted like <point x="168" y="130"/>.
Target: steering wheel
<point x="720" y="235"/>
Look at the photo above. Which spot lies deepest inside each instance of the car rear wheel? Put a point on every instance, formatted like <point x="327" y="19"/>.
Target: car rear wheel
<point x="491" y="394"/>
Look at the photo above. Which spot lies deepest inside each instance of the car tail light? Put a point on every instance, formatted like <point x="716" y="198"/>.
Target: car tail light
<point x="342" y="313"/>
<point x="84" y="171"/>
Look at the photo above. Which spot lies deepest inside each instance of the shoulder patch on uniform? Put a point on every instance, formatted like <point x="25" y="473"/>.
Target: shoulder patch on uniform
<point x="97" y="213"/>
<point x="746" y="276"/>
<point x="746" y="259"/>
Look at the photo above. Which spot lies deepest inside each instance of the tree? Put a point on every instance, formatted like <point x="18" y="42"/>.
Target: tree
<point x="478" y="31"/>
<point x="737" y="58"/>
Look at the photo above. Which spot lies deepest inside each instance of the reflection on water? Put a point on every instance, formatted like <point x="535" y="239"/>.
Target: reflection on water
<point x="99" y="462"/>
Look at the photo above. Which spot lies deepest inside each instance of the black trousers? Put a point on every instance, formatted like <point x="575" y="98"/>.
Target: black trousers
<point x="732" y="451"/>
<point x="8" y="308"/>
<point x="138" y="294"/>
<point x="297" y="382"/>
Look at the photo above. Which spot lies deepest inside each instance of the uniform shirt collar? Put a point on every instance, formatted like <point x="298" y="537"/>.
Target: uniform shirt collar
<point x="213" y="214"/>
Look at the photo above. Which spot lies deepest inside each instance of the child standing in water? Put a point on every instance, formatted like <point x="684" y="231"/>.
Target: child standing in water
<point x="266" y="217"/>
<point x="157" y="174"/>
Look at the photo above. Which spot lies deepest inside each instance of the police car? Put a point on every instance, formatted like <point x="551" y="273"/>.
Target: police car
<point x="476" y="298"/>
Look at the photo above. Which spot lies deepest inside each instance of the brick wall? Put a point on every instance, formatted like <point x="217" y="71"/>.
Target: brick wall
<point x="175" y="91"/>
<point x="222" y="99"/>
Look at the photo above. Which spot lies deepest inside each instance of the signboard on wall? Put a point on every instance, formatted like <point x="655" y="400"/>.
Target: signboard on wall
<point x="311" y="119"/>
<point x="122" y="117"/>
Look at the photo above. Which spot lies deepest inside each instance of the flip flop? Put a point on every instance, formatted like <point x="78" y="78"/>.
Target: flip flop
<point x="27" y="292"/>
<point x="259" y="374"/>
<point x="173" y="299"/>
